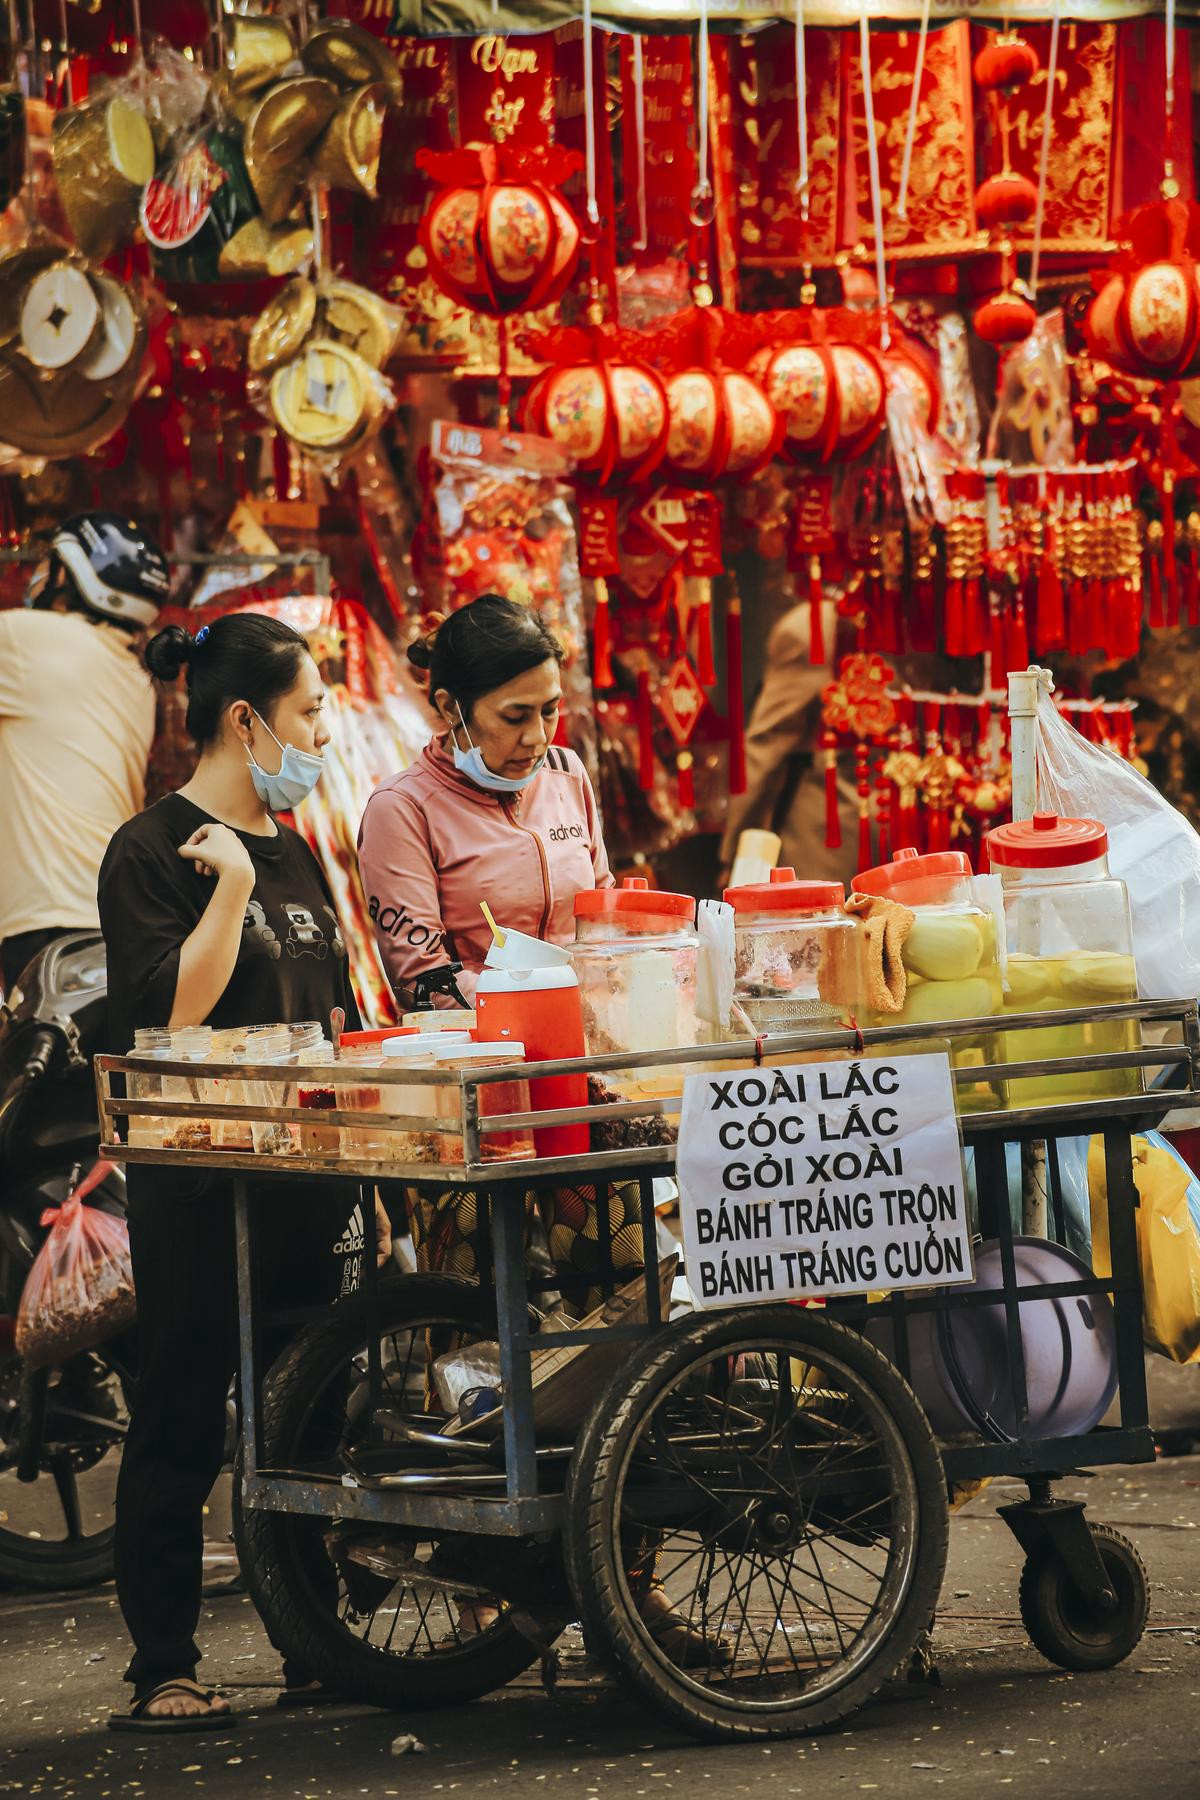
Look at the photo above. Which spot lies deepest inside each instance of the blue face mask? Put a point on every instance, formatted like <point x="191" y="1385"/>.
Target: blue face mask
<point x="294" y="780"/>
<point x="471" y="764"/>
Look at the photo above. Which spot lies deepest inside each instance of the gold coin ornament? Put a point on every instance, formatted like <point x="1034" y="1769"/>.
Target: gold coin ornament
<point x="320" y="398"/>
<point x="349" y="152"/>
<point x="59" y="316"/>
<point x="361" y="320"/>
<point x="120" y="337"/>
<point x="351" y="57"/>
<point x="283" y="128"/>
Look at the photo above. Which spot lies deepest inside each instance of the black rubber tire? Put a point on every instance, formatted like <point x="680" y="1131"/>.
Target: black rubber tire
<point x="592" y="1507"/>
<point x="269" y="1549"/>
<point x="52" y="1566"/>
<point x="1062" y="1627"/>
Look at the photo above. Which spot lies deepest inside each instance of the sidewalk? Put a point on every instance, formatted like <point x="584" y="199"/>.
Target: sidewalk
<point x="1002" y="1720"/>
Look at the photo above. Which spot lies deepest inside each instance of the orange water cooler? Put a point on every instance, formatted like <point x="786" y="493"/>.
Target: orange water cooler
<point x="528" y="993"/>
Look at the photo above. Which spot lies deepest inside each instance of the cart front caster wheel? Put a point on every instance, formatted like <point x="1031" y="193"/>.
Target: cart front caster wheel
<point x="1072" y="1631"/>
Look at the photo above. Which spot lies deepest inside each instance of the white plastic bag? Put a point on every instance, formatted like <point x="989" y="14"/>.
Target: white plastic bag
<point x="1151" y="847"/>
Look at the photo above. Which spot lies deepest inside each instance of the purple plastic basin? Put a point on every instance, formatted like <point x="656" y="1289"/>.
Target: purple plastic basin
<point x="959" y="1360"/>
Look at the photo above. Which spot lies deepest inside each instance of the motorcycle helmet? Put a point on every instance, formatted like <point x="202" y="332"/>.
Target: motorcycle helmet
<point x="114" y="569"/>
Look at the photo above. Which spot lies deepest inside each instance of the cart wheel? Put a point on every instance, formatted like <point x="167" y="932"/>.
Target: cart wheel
<point x="793" y="1486"/>
<point x="393" y="1616"/>
<point x="1069" y="1630"/>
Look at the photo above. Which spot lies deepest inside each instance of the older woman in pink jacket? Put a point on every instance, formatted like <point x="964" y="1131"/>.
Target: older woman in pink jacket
<point x="492" y="810"/>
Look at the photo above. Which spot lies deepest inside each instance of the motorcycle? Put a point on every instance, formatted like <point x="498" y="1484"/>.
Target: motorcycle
<point x="61" y="1429"/>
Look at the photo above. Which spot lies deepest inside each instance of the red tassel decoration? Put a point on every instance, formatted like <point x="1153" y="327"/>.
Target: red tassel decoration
<point x="954" y="616"/>
<point x="975" y="617"/>
<point x="1077" y="620"/>
<point x="816" y="610"/>
<point x="833" y="817"/>
<point x="1097" y="624"/>
<point x="735" y="697"/>
<point x="862" y="766"/>
<point x="1018" y="637"/>
<point x="1192" y="593"/>
<point x="1050" y="621"/>
<point x="645" y="722"/>
<point x="706" y="672"/>
<point x="602" y="669"/>
<point x="1157" y="618"/>
<point x="684" y="763"/>
<point x="885" y="812"/>
<point x="1170" y="571"/>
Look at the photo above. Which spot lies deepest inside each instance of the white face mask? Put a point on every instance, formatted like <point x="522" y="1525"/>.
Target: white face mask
<point x="298" y="774"/>
<point x="471" y="764"/>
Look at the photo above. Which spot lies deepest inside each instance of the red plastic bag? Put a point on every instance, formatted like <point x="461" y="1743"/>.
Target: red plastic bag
<point x="80" y="1288"/>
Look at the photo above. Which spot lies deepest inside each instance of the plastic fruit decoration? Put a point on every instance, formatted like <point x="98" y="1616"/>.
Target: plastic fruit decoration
<point x="1145" y="319"/>
<point x="599" y="402"/>
<point x="498" y="236"/>
<point x="721" y="421"/>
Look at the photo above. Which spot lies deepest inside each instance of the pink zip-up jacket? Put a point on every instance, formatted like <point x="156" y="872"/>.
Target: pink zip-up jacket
<point x="432" y="845"/>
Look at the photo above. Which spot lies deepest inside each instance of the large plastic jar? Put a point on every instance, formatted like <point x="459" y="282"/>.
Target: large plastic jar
<point x="1069" y="943"/>
<point x="950" y="960"/>
<point x="316" y="1093"/>
<point x="269" y="1045"/>
<point x="151" y="1044"/>
<point x="508" y="1096"/>
<point x="358" y="1090"/>
<point x="229" y="1046"/>
<point x="420" y="1143"/>
<point x="789" y="937"/>
<point x="636" y="953"/>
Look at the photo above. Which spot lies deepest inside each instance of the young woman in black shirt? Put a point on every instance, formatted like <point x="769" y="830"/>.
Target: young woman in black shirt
<point x="213" y="913"/>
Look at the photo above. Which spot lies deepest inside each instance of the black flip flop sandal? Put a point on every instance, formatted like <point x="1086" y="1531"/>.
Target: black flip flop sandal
<point x="136" y="1720"/>
<point x="315" y="1695"/>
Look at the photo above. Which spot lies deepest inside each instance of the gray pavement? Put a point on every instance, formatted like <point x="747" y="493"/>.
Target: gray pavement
<point x="1002" y="1718"/>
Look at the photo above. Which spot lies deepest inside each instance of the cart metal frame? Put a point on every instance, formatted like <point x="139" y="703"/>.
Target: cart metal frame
<point x="455" y="1502"/>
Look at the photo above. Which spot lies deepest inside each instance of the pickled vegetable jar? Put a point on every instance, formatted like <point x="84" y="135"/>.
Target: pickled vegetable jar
<point x="636" y="953"/>
<point x="1069" y="943"/>
<point x="786" y="932"/>
<point x="949" y="956"/>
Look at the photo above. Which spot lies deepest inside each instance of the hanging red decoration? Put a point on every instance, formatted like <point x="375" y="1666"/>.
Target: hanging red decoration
<point x="607" y="410"/>
<point x="831" y="395"/>
<point x="1145" y="318"/>
<point x="1005" y="199"/>
<point x="721" y="420"/>
<point x="498" y="237"/>
<point x="1007" y="62"/>
<point x="1004" y="319"/>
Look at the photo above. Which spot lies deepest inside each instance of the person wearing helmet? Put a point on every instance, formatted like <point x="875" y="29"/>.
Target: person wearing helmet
<point x="76" y="725"/>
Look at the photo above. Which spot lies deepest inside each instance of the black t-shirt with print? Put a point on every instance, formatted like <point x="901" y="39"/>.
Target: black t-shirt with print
<point x="292" y="964"/>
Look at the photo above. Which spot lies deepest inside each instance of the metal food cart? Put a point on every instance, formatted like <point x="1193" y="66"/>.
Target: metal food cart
<point x="747" y="1509"/>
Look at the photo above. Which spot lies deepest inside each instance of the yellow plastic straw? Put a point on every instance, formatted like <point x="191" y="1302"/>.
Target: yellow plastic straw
<point x="498" y="935"/>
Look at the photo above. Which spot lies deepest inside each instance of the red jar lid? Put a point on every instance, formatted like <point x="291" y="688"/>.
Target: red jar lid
<point x="783" y="893"/>
<point x="1047" y="842"/>
<point x="909" y="866"/>
<point x="635" y="895"/>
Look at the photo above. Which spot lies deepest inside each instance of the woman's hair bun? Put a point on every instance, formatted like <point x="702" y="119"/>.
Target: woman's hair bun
<point x="169" y="651"/>
<point x="420" y="655"/>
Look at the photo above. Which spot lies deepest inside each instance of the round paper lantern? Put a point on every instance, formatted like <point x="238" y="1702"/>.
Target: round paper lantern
<point x="1100" y="326"/>
<point x="1005" y="199"/>
<point x="498" y="237"/>
<point x="609" y="417"/>
<point x="1005" y="319"/>
<point x="1158" y="319"/>
<point x="719" y="423"/>
<point x="862" y="397"/>
<point x="798" y="380"/>
<point x="1007" y="62"/>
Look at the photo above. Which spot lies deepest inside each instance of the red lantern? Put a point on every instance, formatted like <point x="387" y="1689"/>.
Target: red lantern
<point x="1007" y="62"/>
<point x="862" y="397"/>
<point x="720" y="423"/>
<point x="498" y="237"/>
<point x="800" y="383"/>
<point x="609" y="417"/>
<point x="1005" y="319"/>
<point x="1005" y="199"/>
<point x="909" y="364"/>
<point x="1145" y="319"/>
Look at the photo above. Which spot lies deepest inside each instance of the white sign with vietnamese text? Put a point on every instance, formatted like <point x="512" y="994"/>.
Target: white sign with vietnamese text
<point x="825" y="1178"/>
